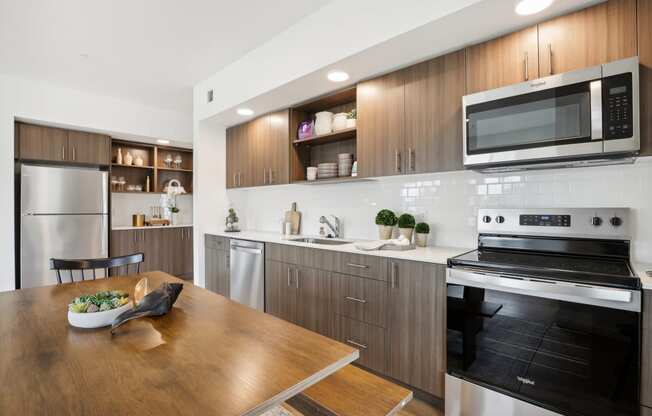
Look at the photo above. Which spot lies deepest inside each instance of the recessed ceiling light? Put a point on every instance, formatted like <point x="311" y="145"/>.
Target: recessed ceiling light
<point x="84" y="55"/>
<point x="245" y="111"/>
<point x="526" y="7"/>
<point x="337" y="76"/>
<point x="162" y="141"/>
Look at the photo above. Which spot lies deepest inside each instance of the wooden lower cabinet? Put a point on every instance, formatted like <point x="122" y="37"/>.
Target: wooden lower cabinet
<point x="417" y="325"/>
<point x="166" y="249"/>
<point x="646" y="411"/>
<point x="361" y="299"/>
<point x="280" y="291"/>
<point x="370" y="340"/>
<point x="216" y="267"/>
<point x="646" y="356"/>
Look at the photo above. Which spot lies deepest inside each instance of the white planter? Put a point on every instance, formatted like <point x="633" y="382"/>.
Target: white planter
<point x="339" y="121"/>
<point x="174" y="218"/>
<point x="385" y="232"/>
<point x="350" y="123"/>
<point x="406" y="232"/>
<point x="421" y="239"/>
<point x="96" y="319"/>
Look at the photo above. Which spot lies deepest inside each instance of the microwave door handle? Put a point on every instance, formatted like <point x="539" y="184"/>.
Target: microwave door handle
<point x="596" y="110"/>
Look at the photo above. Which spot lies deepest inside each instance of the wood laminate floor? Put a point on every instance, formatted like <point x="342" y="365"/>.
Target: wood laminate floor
<point x="416" y="407"/>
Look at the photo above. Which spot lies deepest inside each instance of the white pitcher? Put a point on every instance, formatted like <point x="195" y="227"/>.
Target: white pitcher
<point x="323" y="122"/>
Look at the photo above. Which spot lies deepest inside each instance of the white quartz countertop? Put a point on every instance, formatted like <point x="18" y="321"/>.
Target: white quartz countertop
<point x="131" y="227"/>
<point x="641" y="269"/>
<point x="435" y="254"/>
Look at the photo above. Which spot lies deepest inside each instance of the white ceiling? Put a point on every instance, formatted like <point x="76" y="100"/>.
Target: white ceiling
<point x="149" y="51"/>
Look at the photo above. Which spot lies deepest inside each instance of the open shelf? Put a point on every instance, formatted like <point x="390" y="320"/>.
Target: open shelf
<point x="118" y="165"/>
<point x="173" y="169"/>
<point x="335" y="136"/>
<point x="339" y="179"/>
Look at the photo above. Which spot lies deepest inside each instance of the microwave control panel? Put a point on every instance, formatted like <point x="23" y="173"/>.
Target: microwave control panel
<point x="617" y="116"/>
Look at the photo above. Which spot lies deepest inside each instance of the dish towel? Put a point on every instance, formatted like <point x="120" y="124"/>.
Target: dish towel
<point x="394" y="244"/>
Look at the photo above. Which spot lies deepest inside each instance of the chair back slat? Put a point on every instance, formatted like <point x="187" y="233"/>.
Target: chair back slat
<point x="107" y="264"/>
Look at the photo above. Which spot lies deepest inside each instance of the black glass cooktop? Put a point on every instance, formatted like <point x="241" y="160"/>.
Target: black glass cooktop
<point x="577" y="269"/>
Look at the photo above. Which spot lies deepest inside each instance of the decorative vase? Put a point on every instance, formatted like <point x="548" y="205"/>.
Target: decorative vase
<point x="174" y="218"/>
<point x="128" y="159"/>
<point x="118" y="159"/>
<point x="306" y="129"/>
<point x="385" y="232"/>
<point x="406" y="232"/>
<point x="350" y="123"/>
<point x="323" y="122"/>
<point x="421" y="239"/>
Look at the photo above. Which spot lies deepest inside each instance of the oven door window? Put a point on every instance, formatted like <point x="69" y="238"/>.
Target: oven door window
<point x="543" y="118"/>
<point x="567" y="357"/>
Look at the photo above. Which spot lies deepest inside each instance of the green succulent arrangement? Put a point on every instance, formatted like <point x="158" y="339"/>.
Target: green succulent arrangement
<point x="232" y="218"/>
<point x="406" y="221"/>
<point x="422" y="228"/>
<point x="386" y="217"/>
<point x="99" y="302"/>
<point x="174" y="210"/>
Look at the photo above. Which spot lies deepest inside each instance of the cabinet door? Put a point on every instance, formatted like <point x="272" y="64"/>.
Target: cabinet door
<point x="123" y="242"/>
<point x="380" y="133"/>
<point x="588" y="37"/>
<point x="417" y="325"/>
<point x="238" y="150"/>
<point x="280" y="291"/>
<point x="217" y="271"/>
<point x="278" y="149"/>
<point x="153" y="243"/>
<point x="41" y="143"/>
<point x="646" y="358"/>
<point x="89" y="148"/>
<point x="433" y="114"/>
<point x="645" y="81"/>
<point x="231" y="159"/>
<point x="313" y="289"/>
<point x="258" y="146"/>
<point x="507" y="60"/>
<point x="188" y="253"/>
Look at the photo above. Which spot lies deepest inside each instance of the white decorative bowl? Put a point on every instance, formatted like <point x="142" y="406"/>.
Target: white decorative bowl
<point x="96" y="319"/>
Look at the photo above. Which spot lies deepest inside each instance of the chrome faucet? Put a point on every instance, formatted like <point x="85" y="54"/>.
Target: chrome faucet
<point x="335" y="229"/>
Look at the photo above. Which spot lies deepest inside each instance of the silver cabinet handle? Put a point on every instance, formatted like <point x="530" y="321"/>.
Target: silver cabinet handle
<point x="397" y="160"/>
<point x="73" y="153"/>
<point x="394" y="275"/>
<point x="235" y="180"/>
<point x="63" y="152"/>
<point x="265" y="177"/>
<point x="527" y="75"/>
<point x="411" y="157"/>
<point x="364" y="347"/>
<point x="550" y="59"/>
<point x="355" y="299"/>
<point x="359" y="266"/>
<point x="271" y="176"/>
<point x="296" y="277"/>
<point x="289" y="278"/>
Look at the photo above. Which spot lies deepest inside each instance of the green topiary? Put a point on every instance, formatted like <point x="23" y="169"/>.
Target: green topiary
<point x="406" y="221"/>
<point x="386" y="217"/>
<point x="422" y="228"/>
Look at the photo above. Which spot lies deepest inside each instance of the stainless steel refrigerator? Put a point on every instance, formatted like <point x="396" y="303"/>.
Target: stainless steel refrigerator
<point x="64" y="213"/>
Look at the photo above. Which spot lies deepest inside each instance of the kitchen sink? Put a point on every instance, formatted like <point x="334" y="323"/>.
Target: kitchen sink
<point x="325" y="241"/>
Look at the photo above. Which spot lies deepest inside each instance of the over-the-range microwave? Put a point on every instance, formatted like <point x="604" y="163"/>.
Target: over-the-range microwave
<point x="588" y="116"/>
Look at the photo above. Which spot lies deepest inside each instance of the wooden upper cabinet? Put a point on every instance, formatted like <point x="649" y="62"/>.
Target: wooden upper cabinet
<point x="231" y="161"/>
<point x="381" y="126"/>
<point x="588" y="37"/>
<point x="433" y="114"/>
<point x="645" y="80"/>
<point x="507" y="60"/>
<point x="257" y="148"/>
<point x="237" y="153"/>
<point x="41" y="143"/>
<point x="89" y="148"/>
<point x="278" y="148"/>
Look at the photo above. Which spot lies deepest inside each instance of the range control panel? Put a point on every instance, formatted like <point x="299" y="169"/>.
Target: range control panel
<point x="545" y="220"/>
<point x="609" y="223"/>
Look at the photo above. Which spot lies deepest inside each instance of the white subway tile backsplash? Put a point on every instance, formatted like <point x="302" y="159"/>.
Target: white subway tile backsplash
<point x="449" y="201"/>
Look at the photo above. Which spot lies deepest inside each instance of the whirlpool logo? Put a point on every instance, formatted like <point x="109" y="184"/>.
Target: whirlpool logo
<point x="525" y="380"/>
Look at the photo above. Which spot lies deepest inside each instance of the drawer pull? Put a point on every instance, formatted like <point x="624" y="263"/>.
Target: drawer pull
<point x="355" y="299"/>
<point x="359" y="266"/>
<point x="364" y="347"/>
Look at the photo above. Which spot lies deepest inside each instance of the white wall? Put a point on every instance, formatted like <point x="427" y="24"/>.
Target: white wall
<point x="25" y="99"/>
<point x="449" y="201"/>
<point x="123" y="206"/>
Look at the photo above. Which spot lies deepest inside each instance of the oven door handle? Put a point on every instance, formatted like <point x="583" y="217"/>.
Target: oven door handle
<point x="624" y="299"/>
<point x="596" y="110"/>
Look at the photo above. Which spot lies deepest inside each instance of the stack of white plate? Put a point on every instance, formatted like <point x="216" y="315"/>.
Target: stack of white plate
<point x="345" y="161"/>
<point x="326" y="170"/>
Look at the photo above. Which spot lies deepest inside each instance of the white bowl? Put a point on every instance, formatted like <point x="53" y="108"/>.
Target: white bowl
<point x="96" y="319"/>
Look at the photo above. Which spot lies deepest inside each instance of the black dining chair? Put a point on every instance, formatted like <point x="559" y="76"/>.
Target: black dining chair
<point x="83" y="265"/>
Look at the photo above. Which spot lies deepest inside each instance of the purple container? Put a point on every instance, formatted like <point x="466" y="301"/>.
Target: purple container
<point x="306" y="129"/>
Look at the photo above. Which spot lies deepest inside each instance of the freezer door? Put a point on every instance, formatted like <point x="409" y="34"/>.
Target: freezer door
<point x="55" y="190"/>
<point x="59" y="236"/>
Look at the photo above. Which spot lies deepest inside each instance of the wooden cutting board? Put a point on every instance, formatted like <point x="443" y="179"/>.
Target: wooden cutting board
<point x="293" y="217"/>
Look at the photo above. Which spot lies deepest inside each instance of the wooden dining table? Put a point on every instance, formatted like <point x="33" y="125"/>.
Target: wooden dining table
<point x="207" y="356"/>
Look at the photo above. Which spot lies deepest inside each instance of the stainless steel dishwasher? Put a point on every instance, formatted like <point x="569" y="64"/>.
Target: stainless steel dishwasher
<point x="247" y="275"/>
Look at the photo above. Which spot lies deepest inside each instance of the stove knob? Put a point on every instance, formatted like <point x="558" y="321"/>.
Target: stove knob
<point x="486" y="219"/>
<point x="500" y="219"/>
<point x="616" y="221"/>
<point x="597" y="221"/>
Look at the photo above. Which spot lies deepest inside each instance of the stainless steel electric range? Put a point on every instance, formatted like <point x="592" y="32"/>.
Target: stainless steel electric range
<point x="544" y="317"/>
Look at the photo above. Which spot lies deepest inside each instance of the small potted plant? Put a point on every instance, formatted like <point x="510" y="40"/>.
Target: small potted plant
<point x="406" y="224"/>
<point x="351" y="117"/>
<point x="421" y="231"/>
<point x="386" y="220"/>
<point x="232" y="221"/>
